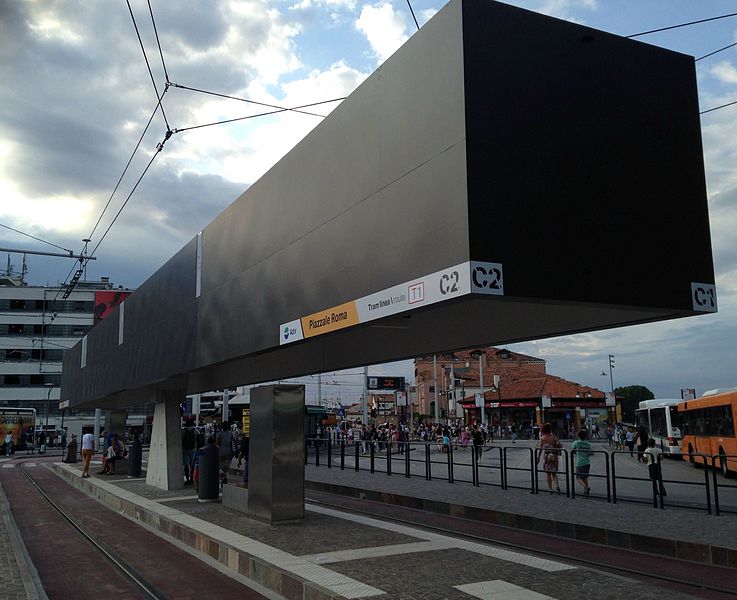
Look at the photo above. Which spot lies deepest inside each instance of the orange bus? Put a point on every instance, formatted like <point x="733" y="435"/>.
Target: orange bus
<point x="709" y="428"/>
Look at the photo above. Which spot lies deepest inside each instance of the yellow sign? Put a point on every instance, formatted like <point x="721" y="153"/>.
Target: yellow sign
<point x="331" y="319"/>
<point x="246" y="422"/>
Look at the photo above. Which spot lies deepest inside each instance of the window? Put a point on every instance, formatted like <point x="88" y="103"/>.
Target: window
<point x="36" y="379"/>
<point x="15" y="329"/>
<point x="12" y="380"/>
<point x="13" y="355"/>
<point x="39" y="329"/>
<point x="17" y="305"/>
<point x="714" y="420"/>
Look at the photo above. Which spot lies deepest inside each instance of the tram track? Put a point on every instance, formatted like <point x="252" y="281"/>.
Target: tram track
<point x="130" y="575"/>
<point x="83" y="549"/>
<point x="715" y="592"/>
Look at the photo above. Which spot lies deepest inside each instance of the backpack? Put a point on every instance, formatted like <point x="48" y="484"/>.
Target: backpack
<point x="189" y="439"/>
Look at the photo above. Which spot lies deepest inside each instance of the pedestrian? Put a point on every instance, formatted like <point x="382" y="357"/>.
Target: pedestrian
<point x="42" y="442"/>
<point x="224" y="441"/>
<point x="71" y="456"/>
<point x="88" y="446"/>
<point x="582" y="449"/>
<point x="652" y="457"/>
<point x="513" y="429"/>
<point x="549" y="455"/>
<point x="478" y="441"/>
<point x="189" y="443"/>
<point x="629" y="439"/>
<point x="244" y="454"/>
<point x="641" y="439"/>
<point x="8" y="443"/>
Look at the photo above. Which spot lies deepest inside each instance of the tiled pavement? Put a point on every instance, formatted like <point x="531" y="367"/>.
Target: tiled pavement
<point x="355" y="556"/>
<point x="334" y="555"/>
<point x="18" y="579"/>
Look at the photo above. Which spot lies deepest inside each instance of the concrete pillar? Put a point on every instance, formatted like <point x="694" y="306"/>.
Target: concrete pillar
<point x="165" y="454"/>
<point x="116" y="422"/>
<point x="276" y="471"/>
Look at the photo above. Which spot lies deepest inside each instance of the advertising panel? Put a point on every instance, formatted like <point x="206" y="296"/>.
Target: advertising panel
<point x="385" y="383"/>
<point x="14" y="422"/>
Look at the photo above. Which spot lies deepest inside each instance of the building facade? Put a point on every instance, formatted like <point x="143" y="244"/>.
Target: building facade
<point x="37" y="326"/>
<point x="517" y="390"/>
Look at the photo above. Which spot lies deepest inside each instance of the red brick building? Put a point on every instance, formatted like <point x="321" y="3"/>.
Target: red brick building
<point x="516" y="389"/>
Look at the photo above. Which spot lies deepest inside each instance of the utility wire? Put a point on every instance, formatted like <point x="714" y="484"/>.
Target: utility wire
<point x="271" y="112"/>
<point x="716" y="52"/>
<point x="125" y="170"/>
<point x="38" y="239"/>
<point x="703" y="112"/>
<point x="148" y="66"/>
<point x="158" y="43"/>
<point x="682" y="25"/>
<point x="413" y="15"/>
<point x="158" y="150"/>
<point x="184" y="87"/>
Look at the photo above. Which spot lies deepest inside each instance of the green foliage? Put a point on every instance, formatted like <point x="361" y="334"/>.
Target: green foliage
<point x="630" y="397"/>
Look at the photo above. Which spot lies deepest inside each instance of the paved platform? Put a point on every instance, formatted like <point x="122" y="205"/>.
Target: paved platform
<point x="687" y="534"/>
<point x="334" y="554"/>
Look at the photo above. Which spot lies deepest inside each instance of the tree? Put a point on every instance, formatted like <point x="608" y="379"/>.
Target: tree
<point x="630" y="397"/>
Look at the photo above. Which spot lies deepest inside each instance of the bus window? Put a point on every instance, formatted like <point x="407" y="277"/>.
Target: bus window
<point x="657" y="421"/>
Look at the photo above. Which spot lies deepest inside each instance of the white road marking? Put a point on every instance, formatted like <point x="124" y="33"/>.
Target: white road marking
<point x="498" y="589"/>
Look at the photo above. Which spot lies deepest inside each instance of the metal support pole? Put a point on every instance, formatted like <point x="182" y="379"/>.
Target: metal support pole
<point x="365" y="397"/>
<point x="435" y="383"/>
<point x="481" y="385"/>
<point x="98" y="415"/>
<point x="407" y="471"/>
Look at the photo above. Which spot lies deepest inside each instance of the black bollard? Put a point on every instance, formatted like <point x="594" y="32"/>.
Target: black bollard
<point x="135" y="454"/>
<point x="209" y="474"/>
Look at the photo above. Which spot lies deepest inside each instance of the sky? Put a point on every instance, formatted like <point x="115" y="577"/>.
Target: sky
<point x="76" y="94"/>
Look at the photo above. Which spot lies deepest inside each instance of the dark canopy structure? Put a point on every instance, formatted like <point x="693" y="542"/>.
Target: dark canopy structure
<point x="505" y="176"/>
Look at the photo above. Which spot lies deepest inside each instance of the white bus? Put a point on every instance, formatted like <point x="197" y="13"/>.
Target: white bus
<point x="660" y="418"/>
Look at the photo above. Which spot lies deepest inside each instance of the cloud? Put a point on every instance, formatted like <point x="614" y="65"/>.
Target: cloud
<point x="385" y="29"/>
<point x="725" y="72"/>
<point x="562" y="8"/>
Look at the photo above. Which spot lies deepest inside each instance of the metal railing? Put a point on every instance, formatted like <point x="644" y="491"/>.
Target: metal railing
<point x="451" y="463"/>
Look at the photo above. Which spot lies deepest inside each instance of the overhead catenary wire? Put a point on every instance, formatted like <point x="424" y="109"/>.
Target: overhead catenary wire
<point x="413" y="14"/>
<point x="716" y="52"/>
<point x="125" y="170"/>
<point x="158" y="42"/>
<point x="219" y="95"/>
<point x="120" y="210"/>
<point x="708" y="110"/>
<point x="263" y="114"/>
<point x="688" y="24"/>
<point x="38" y="239"/>
<point x="159" y="97"/>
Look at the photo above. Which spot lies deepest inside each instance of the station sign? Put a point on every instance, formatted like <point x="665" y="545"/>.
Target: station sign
<point x="471" y="277"/>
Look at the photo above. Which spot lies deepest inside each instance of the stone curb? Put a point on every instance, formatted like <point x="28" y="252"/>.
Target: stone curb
<point x="691" y="551"/>
<point x="166" y="520"/>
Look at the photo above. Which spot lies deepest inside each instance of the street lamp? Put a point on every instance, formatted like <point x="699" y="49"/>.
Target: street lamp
<point x="48" y="399"/>
<point x="479" y="354"/>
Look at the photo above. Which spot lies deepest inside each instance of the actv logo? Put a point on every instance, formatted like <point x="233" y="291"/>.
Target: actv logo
<point x="289" y="331"/>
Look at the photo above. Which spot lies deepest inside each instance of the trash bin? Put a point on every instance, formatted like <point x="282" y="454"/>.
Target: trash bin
<point x="209" y="474"/>
<point x="135" y="454"/>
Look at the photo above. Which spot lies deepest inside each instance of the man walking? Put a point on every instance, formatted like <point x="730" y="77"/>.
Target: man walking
<point x="189" y="443"/>
<point x="8" y="443"/>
